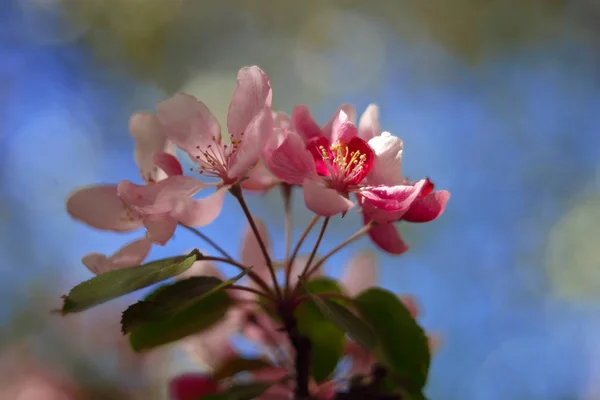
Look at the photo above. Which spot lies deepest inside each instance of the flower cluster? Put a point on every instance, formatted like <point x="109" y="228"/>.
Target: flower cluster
<point x="321" y="337"/>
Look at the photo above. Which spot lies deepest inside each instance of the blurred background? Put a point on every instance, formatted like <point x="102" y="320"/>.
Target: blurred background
<point x="496" y="100"/>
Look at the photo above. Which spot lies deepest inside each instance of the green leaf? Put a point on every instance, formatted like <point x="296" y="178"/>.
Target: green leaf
<point x="402" y="343"/>
<point x="173" y="298"/>
<point x="200" y="316"/>
<point x="236" y="365"/>
<point x="117" y="283"/>
<point x="327" y="341"/>
<point x="247" y="391"/>
<point x="345" y="320"/>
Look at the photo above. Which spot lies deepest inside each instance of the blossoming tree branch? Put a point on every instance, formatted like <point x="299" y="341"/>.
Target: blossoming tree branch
<point x="322" y="338"/>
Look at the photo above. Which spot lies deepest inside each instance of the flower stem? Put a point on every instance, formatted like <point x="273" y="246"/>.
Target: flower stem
<point x="251" y="290"/>
<point x="286" y="193"/>
<point x="259" y="281"/>
<point x="316" y="247"/>
<point x="301" y="346"/>
<point x="346" y="242"/>
<point x="208" y="240"/>
<point x="236" y="191"/>
<point x="300" y="299"/>
<point x="288" y="269"/>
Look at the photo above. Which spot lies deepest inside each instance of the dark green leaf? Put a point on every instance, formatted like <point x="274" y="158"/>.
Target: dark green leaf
<point x="327" y="341"/>
<point x="173" y="298"/>
<point x="246" y="391"/>
<point x="345" y="320"/>
<point x="200" y="316"/>
<point x="236" y="365"/>
<point x="113" y="284"/>
<point x="402" y="343"/>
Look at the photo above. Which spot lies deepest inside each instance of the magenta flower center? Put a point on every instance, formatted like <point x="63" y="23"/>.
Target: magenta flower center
<point x="343" y="164"/>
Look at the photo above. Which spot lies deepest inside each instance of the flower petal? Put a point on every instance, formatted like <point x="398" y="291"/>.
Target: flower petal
<point x="149" y="138"/>
<point x="251" y="254"/>
<point x="304" y="124"/>
<point x="350" y="112"/>
<point x="130" y="255"/>
<point x="100" y="207"/>
<point x="320" y="149"/>
<point x="360" y="157"/>
<point x="161" y="196"/>
<point x="342" y="129"/>
<point x="324" y="201"/>
<point x="168" y="163"/>
<point x="160" y="228"/>
<point x="362" y="359"/>
<point x="389" y="203"/>
<point x="427" y="208"/>
<point x="191" y="387"/>
<point x="387" y="166"/>
<point x="279" y="391"/>
<point x="188" y="123"/>
<point x="286" y="156"/>
<point x="386" y="237"/>
<point x="259" y="130"/>
<point x="411" y="304"/>
<point x="252" y="94"/>
<point x="368" y="125"/>
<point x="360" y="273"/>
<point x="259" y="178"/>
<point x="281" y="120"/>
<point x="199" y="212"/>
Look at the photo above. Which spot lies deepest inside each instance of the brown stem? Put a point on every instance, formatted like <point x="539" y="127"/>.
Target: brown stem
<point x="302" y="347"/>
<point x="236" y="191"/>
<point x="251" y="290"/>
<point x="286" y="193"/>
<point x="346" y="242"/>
<point x="315" y="248"/>
<point x="290" y="262"/>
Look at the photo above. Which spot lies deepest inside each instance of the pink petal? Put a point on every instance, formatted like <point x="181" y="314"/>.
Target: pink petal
<point x="212" y="347"/>
<point x="324" y="201"/>
<point x="368" y="126"/>
<point x="264" y="331"/>
<point x="386" y="237"/>
<point x="269" y="374"/>
<point x="161" y="196"/>
<point x="388" y="203"/>
<point x="281" y="120"/>
<point x="188" y="123"/>
<point x="362" y="359"/>
<point x="342" y="129"/>
<point x="360" y="273"/>
<point x="149" y="139"/>
<point x="387" y="166"/>
<point x="259" y="130"/>
<point x="168" y="163"/>
<point x="100" y="207"/>
<point x="350" y="112"/>
<point x="411" y="304"/>
<point x="259" y="178"/>
<point x="199" y="212"/>
<point x="251" y="255"/>
<point x="304" y="124"/>
<point x="252" y="94"/>
<point x="160" y="228"/>
<point x="289" y="160"/>
<point x="130" y="255"/>
<point x="191" y="387"/>
<point x="277" y="391"/>
<point x="427" y="208"/>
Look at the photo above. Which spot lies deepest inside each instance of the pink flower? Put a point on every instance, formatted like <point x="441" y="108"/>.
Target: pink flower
<point x="129" y="255"/>
<point x="191" y="126"/>
<point x="304" y="124"/>
<point x="420" y="203"/>
<point x="191" y="387"/>
<point x="281" y="391"/>
<point x="158" y="206"/>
